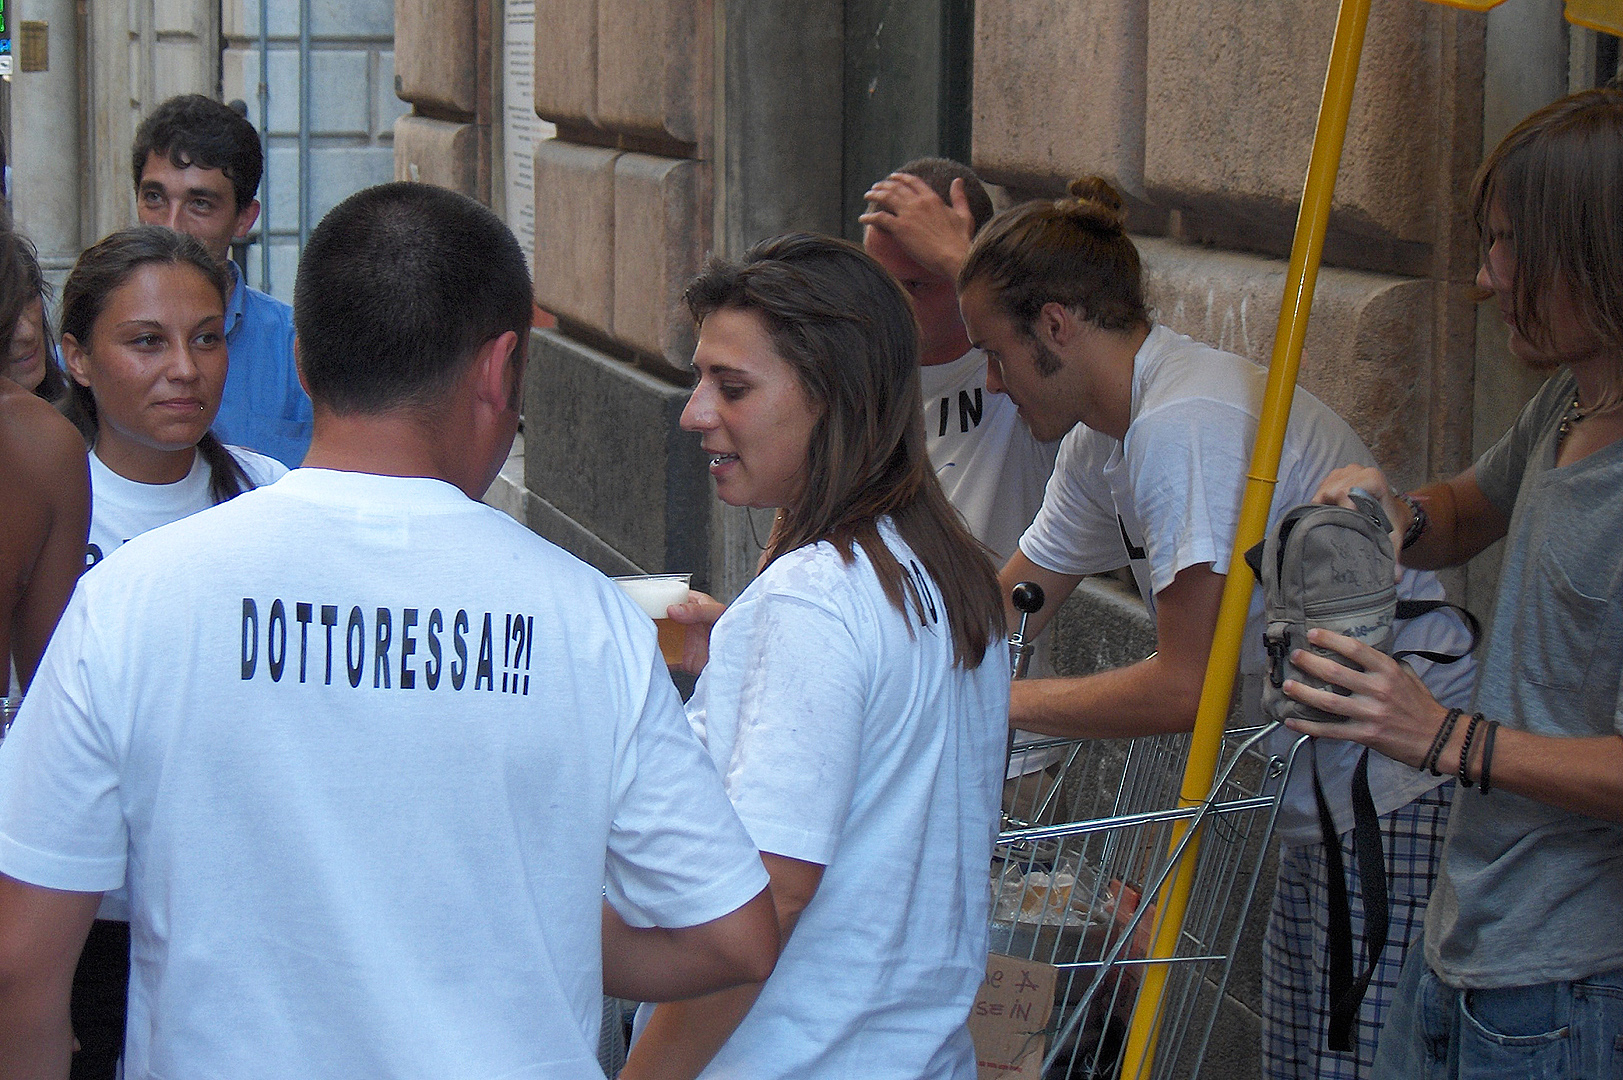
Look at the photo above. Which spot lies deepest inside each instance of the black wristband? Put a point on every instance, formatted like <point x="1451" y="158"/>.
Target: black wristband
<point x="1487" y="751"/>
<point x="1440" y="740"/>
<point x="1418" y="522"/>
<point x="1465" y="750"/>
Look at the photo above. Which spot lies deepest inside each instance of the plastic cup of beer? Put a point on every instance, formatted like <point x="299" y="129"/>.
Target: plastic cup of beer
<point x="654" y="593"/>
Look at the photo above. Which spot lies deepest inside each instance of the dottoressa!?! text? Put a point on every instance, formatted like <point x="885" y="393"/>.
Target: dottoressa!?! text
<point x="396" y="648"/>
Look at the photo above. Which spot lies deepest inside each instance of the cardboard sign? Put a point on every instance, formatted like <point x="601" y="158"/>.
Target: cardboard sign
<point x="1010" y="1013"/>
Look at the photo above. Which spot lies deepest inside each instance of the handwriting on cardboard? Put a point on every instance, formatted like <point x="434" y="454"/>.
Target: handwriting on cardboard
<point x="1010" y="1014"/>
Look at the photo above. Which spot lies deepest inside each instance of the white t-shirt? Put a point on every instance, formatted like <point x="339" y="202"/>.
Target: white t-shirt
<point x="846" y="737"/>
<point x="993" y="471"/>
<point x="990" y="465"/>
<point x="368" y="754"/>
<point x="1168" y="497"/>
<point x="121" y="508"/>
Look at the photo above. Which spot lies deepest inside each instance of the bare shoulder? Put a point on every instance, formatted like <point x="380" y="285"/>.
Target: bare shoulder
<point x="37" y="443"/>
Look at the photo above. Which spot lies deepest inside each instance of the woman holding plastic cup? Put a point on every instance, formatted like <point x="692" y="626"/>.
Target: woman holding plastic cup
<point x="856" y="693"/>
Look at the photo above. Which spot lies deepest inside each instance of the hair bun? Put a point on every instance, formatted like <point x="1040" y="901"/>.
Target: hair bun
<point x="1096" y="202"/>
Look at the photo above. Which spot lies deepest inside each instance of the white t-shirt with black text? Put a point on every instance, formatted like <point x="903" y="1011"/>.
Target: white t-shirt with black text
<point x="370" y="756"/>
<point x="991" y="467"/>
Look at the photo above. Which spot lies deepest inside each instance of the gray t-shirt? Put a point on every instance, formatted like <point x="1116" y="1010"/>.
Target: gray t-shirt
<point x="1530" y="893"/>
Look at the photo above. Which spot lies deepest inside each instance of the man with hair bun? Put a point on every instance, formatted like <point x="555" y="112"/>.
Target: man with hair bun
<point x="397" y="788"/>
<point x="1157" y="432"/>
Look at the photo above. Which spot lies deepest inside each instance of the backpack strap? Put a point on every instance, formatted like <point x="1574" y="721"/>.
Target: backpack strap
<point x="1347" y="992"/>
<point x="1413" y="609"/>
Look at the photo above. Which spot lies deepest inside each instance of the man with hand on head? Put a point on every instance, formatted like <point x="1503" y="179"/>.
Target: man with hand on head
<point x="197" y="164"/>
<point x="919" y="224"/>
<point x="397" y="787"/>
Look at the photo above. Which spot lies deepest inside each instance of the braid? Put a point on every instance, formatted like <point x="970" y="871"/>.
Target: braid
<point x="226" y="478"/>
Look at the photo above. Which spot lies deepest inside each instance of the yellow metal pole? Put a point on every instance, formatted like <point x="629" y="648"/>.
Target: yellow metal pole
<point x="1218" y="689"/>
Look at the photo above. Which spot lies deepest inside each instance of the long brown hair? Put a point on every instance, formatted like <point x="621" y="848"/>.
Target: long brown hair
<point x="846" y="328"/>
<point x="1558" y="179"/>
<point x="21" y="283"/>
<point x="1073" y="251"/>
<point x="104" y="268"/>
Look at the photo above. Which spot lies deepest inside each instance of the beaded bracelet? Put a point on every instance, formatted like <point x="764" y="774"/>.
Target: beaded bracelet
<point x="1440" y="740"/>
<point x="1465" y="750"/>
<point x="1487" y="751"/>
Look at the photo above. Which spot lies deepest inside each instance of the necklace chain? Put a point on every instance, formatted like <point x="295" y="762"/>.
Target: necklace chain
<point x="1568" y="421"/>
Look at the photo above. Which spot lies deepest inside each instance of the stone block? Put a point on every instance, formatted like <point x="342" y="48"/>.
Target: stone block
<point x="566" y="61"/>
<point x="1059" y="91"/>
<point x="604" y="452"/>
<point x="386" y="107"/>
<point x="653" y="66"/>
<point x="1233" y="97"/>
<point x="574" y="232"/>
<point x="1369" y="348"/>
<point x="437" y="55"/>
<point x="660" y="234"/>
<point x="1103" y="624"/>
<point x="437" y="152"/>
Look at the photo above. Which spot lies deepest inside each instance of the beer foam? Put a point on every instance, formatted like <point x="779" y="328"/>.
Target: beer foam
<point x="656" y="593"/>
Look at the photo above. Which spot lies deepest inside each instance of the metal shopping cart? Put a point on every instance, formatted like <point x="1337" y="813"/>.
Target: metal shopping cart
<point x="1070" y="882"/>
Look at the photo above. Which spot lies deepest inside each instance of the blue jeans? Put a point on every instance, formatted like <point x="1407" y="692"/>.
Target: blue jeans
<point x="1551" y="1031"/>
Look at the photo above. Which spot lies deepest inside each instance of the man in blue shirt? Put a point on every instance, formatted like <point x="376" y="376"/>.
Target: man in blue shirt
<point x="197" y="164"/>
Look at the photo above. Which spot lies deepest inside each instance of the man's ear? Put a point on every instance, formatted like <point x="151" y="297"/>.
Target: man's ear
<point x="298" y="366"/>
<point x="1055" y="325"/>
<point x="245" y="220"/>
<point x="498" y="376"/>
<point x="73" y="359"/>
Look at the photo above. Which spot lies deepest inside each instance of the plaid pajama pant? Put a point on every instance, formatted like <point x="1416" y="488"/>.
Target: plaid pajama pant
<point x="1295" y="973"/>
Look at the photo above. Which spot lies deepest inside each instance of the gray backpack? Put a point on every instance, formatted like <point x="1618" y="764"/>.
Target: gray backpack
<point x="1332" y="567"/>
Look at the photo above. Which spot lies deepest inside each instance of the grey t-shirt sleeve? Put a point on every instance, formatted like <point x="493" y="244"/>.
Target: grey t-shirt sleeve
<point x="1499" y="470"/>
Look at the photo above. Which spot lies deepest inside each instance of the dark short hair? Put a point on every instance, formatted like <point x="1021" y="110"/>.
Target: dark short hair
<point x="398" y="287"/>
<point x="195" y="130"/>
<point x="939" y="173"/>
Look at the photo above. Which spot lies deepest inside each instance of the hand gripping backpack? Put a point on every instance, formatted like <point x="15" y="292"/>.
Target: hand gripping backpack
<point x="1333" y="567"/>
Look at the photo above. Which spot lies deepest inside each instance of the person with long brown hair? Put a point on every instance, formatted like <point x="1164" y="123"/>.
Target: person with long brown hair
<point x="144" y="345"/>
<point x="855" y="696"/>
<point x="31" y="361"/>
<point x="1522" y="972"/>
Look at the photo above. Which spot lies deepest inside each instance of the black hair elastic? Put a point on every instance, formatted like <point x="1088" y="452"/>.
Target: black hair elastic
<point x="1440" y="740"/>
<point x="1487" y="751"/>
<point x="1465" y="751"/>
